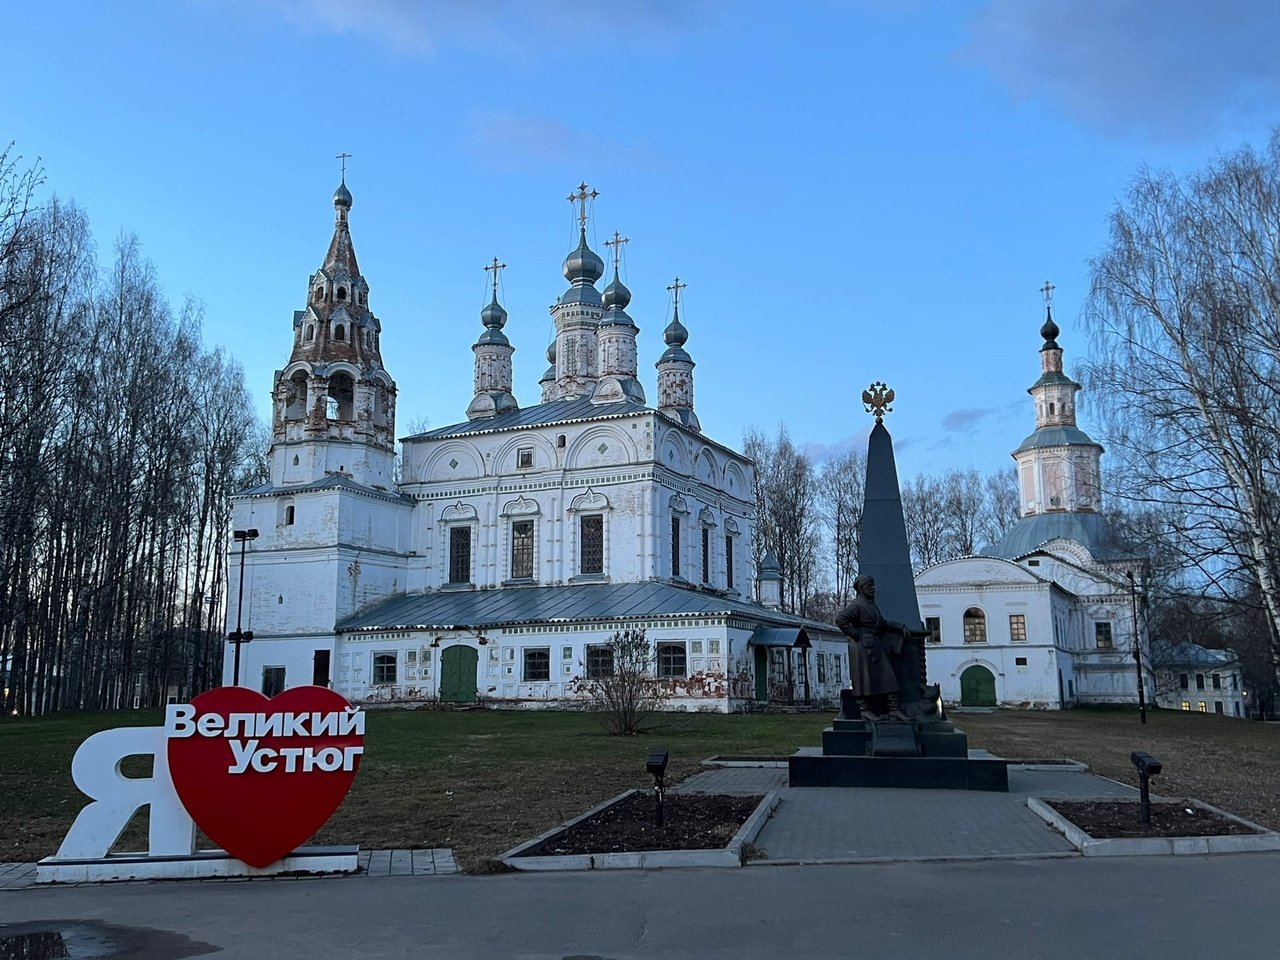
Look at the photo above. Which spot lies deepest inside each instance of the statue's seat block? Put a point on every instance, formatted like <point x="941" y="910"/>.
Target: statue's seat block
<point x="890" y="738"/>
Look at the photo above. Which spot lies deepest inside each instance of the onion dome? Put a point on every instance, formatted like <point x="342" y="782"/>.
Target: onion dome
<point x="342" y="196"/>
<point x="675" y="336"/>
<point x="616" y="298"/>
<point x="551" y="353"/>
<point x="616" y="294"/>
<point x="493" y="316"/>
<point x="1049" y="331"/>
<point x="582" y="265"/>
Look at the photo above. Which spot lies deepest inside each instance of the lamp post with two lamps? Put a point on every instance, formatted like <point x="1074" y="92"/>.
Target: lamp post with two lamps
<point x="239" y="637"/>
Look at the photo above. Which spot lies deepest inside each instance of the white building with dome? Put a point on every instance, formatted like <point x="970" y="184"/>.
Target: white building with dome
<point x="1044" y="620"/>
<point x="517" y="541"/>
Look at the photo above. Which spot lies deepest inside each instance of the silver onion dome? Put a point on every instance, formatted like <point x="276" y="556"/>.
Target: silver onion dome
<point x="582" y="265"/>
<point x="493" y="315"/>
<point x="616" y="294"/>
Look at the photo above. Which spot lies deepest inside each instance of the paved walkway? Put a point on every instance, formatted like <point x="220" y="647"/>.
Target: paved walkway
<point x="826" y="825"/>
<point x="372" y="863"/>
<point x="831" y="825"/>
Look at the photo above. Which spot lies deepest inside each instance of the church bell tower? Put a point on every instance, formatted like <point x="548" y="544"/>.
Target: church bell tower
<point x="334" y="402"/>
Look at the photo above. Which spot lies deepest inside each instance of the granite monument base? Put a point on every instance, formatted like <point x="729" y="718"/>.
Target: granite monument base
<point x="921" y="754"/>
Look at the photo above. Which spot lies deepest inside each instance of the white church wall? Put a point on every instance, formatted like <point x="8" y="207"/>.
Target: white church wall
<point x="296" y="655"/>
<point x="502" y="664"/>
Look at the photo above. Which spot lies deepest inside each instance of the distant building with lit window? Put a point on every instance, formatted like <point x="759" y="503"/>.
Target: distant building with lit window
<point x="1045" y="618"/>
<point x="1201" y="679"/>
<point x="500" y="560"/>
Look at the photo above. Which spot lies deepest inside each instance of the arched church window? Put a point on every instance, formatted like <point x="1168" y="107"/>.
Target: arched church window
<point x="286" y="515"/>
<point x="975" y="626"/>
<point x="295" y="459"/>
<point x="1051" y="408"/>
<point x="311" y="332"/>
<point x="340" y="332"/>
<point x="319" y="294"/>
<point x="342" y="294"/>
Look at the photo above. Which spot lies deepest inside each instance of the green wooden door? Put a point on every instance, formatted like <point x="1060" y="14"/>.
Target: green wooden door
<point x="458" y="674"/>
<point x="762" y="674"/>
<point x="977" y="687"/>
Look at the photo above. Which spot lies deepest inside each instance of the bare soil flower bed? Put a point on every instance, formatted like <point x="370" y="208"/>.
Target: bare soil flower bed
<point x="1104" y="819"/>
<point x="691" y="822"/>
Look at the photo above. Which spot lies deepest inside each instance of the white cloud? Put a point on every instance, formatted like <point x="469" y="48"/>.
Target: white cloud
<point x="1172" y="70"/>
<point x="509" y="141"/>
<point x="505" y="26"/>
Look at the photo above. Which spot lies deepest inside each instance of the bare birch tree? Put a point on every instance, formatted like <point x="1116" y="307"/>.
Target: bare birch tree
<point x="1184" y="317"/>
<point x="121" y="439"/>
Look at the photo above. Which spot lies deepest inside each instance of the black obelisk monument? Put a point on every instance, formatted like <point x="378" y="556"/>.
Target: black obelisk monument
<point x="884" y="553"/>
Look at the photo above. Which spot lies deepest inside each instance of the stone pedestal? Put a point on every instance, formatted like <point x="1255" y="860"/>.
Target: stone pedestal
<point x="918" y="754"/>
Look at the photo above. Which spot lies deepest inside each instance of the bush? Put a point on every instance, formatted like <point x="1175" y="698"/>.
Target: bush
<point x="624" y="698"/>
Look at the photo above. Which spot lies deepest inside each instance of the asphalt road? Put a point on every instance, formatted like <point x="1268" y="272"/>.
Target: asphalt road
<point x="1097" y="908"/>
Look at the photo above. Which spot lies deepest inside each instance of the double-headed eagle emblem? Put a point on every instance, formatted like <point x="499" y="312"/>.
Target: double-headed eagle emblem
<point x="876" y="400"/>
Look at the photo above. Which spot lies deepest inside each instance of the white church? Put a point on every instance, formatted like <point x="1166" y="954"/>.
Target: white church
<point x="1045" y="619"/>
<point x="516" y="542"/>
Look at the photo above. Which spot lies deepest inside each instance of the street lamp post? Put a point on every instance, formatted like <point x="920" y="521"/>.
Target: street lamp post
<point x="1137" y="646"/>
<point x="240" y="636"/>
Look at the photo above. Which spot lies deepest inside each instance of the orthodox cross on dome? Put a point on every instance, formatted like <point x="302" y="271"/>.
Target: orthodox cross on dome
<point x="1047" y="290"/>
<point x="495" y="267"/>
<point x="581" y="198"/>
<point x="876" y="400"/>
<point x="675" y="288"/>
<point x="344" y="157"/>
<point x="618" y="242"/>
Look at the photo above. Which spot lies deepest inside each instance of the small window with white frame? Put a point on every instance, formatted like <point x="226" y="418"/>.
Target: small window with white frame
<point x="673" y="661"/>
<point x="1102" y="635"/>
<point x="1017" y="627"/>
<point x="384" y="669"/>
<point x="933" y="629"/>
<point x="599" y="661"/>
<point x="537" y="664"/>
<point x="524" y="458"/>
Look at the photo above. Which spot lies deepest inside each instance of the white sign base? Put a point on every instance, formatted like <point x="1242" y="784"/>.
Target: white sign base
<point x="202" y="865"/>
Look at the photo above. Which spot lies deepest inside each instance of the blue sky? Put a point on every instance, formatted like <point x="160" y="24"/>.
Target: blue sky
<point x="853" y="191"/>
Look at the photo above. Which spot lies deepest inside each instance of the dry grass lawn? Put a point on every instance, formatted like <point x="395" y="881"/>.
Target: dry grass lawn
<point x="1232" y="764"/>
<point x="482" y="781"/>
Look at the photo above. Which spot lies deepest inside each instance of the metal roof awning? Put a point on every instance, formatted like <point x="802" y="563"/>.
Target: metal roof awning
<point x="779" y="637"/>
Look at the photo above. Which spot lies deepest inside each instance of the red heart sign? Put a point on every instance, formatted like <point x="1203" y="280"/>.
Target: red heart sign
<point x="261" y="776"/>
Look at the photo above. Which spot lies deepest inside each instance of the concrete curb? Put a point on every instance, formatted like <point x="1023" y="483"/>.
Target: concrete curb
<point x="1157" y="846"/>
<point x="717" y="762"/>
<point x="729" y="856"/>
<point x="924" y="858"/>
<point x="1071" y="766"/>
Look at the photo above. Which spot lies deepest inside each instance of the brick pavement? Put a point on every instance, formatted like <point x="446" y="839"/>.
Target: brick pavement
<point x="839" y="825"/>
<point x="372" y="863"/>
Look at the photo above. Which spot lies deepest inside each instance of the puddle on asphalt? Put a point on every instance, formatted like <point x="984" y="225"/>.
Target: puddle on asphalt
<point x="87" y="940"/>
<point x="33" y="946"/>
